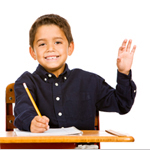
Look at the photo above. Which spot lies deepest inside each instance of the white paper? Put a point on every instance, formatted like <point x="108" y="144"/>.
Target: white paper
<point x="50" y="132"/>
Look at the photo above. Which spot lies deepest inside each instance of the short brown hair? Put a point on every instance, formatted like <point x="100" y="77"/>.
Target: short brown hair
<point x="48" y="20"/>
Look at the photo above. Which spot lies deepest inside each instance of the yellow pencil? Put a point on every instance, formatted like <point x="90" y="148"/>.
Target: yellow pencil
<point x="32" y="100"/>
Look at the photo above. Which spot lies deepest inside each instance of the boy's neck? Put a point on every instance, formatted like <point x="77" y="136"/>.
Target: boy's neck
<point x="57" y="72"/>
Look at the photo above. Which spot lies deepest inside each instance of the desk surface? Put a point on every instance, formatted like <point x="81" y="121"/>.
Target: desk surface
<point x="92" y="136"/>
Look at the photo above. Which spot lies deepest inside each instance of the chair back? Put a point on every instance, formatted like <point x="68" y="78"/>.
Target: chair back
<point x="97" y="125"/>
<point x="10" y="100"/>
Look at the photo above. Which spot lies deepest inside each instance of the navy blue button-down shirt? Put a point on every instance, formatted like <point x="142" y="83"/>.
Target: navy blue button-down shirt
<point x="72" y="99"/>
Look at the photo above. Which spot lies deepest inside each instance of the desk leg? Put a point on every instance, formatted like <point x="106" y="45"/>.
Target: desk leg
<point x="38" y="146"/>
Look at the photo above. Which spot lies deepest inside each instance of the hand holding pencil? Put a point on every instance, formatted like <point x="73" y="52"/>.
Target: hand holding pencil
<point x="39" y="123"/>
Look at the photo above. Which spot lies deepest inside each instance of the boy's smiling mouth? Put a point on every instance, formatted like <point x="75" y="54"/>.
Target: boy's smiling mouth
<point x="54" y="57"/>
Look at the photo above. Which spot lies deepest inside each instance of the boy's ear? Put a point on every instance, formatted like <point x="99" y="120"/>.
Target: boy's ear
<point x="71" y="48"/>
<point x="32" y="53"/>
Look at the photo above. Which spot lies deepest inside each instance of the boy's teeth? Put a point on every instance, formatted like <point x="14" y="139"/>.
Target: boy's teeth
<point x="51" y="57"/>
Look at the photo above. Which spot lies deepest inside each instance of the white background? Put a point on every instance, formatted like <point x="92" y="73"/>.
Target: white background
<point x="98" y="28"/>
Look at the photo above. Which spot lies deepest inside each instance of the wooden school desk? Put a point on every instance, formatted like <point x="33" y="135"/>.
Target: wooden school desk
<point x="9" y="140"/>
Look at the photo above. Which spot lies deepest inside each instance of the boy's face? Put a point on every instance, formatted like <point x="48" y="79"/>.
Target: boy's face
<point x="51" y="49"/>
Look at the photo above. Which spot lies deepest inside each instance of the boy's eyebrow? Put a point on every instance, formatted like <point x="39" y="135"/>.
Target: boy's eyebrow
<point x="45" y="39"/>
<point x="58" y="38"/>
<point x="40" y="40"/>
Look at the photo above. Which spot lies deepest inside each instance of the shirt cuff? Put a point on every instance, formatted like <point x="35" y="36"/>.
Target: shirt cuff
<point x="27" y="123"/>
<point x="124" y="79"/>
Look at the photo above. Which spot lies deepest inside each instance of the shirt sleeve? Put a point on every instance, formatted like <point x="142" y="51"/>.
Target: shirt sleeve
<point x="118" y="100"/>
<point x="24" y="111"/>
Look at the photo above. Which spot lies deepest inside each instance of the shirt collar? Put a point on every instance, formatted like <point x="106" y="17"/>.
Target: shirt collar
<point x="44" y="74"/>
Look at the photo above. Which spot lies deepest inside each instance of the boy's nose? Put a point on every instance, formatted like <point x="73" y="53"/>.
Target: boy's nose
<point x="51" y="48"/>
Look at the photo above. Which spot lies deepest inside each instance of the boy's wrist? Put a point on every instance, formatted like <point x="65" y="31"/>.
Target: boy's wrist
<point x="124" y="72"/>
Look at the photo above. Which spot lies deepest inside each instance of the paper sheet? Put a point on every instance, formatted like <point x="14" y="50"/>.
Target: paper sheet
<point x="50" y="132"/>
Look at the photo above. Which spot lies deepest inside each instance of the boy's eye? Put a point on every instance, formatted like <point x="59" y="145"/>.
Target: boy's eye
<point x="42" y="44"/>
<point x="58" y="42"/>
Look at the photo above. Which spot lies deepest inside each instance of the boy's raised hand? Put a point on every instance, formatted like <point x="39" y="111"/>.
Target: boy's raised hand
<point x="125" y="57"/>
<point x="39" y="124"/>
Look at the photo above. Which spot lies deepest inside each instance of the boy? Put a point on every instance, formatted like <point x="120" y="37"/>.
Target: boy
<point x="67" y="97"/>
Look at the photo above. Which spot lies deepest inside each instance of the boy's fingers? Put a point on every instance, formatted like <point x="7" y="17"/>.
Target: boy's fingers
<point x="42" y="119"/>
<point x="41" y="130"/>
<point x="43" y="122"/>
<point x="41" y="125"/>
<point x="46" y="118"/>
<point x="133" y="50"/>
<point x="38" y="119"/>
<point x="38" y="130"/>
<point x="122" y="48"/>
<point x="129" y="45"/>
<point x="124" y="42"/>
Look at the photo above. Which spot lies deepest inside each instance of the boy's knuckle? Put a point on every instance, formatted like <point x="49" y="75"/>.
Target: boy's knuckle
<point x="40" y="125"/>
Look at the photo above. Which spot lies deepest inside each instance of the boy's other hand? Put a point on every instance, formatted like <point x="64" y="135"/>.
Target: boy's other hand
<point x="39" y="124"/>
<point x="125" y="57"/>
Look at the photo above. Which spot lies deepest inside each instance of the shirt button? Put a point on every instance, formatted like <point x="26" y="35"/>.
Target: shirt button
<point x="57" y="98"/>
<point x="59" y="114"/>
<point x="65" y="78"/>
<point x="45" y="79"/>
<point x="56" y="84"/>
<point x="50" y="75"/>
